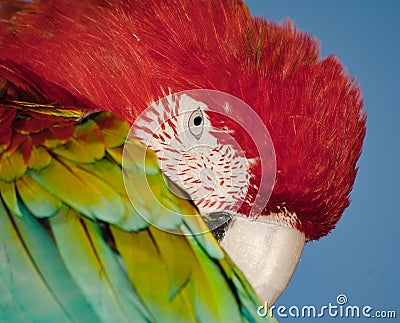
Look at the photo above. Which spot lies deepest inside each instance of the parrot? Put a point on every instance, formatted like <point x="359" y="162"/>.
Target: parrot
<point x="101" y="220"/>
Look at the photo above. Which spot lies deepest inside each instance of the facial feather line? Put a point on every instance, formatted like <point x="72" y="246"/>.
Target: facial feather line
<point x="216" y="175"/>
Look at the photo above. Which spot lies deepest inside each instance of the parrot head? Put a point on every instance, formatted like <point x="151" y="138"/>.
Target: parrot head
<point x="287" y="184"/>
<point x="282" y="177"/>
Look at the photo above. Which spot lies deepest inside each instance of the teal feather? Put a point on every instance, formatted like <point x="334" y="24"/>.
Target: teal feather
<point x="47" y="261"/>
<point x="28" y="191"/>
<point x="18" y="271"/>
<point x="78" y="248"/>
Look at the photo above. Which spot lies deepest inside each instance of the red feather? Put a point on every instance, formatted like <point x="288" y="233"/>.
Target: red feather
<point x="121" y="55"/>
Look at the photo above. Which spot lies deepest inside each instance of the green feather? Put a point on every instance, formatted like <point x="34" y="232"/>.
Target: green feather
<point x="78" y="250"/>
<point x="145" y="194"/>
<point x="114" y="129"/>
<point x="13" y="167"/>
<point x="49" y="265"/>
<point x="29" y="190"/>
<point x="127" y="296"/>
<point x="109" y="172"/>
<point x="85" y="146"/>
<point x="210" y="288"/>
<point x="149" y="273"/>
<point x="132" y="220"/>
<point x="10" y="310"/>
<point x="139" y="158"/>
<point x="9" y="195"/>
<point x="116" y="154"/>
<point x="81" y="190"/>
<point x="18" y="271"/>
<point x="39" y="158"/>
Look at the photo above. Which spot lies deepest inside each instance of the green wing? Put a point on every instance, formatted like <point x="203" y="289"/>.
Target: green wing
<point x="73" y="247"/>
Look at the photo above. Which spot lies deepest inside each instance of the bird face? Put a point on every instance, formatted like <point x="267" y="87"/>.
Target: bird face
<point x="217" y="149"/>
<point x="206" y="161"/>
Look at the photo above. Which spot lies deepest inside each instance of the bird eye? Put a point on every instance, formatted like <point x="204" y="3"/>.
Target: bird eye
<point x="196" y="122"/>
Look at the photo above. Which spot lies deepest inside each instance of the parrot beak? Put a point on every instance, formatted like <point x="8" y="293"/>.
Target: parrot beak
<point x="266" y="252"/>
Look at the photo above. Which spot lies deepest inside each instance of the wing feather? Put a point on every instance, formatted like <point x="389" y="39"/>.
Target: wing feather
<point x="76" y="242"/>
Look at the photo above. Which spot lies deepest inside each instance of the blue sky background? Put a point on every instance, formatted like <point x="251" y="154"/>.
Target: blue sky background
<point x="361" y="257"/>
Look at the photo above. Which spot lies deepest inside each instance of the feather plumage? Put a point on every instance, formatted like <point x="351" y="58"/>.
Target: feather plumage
<point x="70" y="233"/>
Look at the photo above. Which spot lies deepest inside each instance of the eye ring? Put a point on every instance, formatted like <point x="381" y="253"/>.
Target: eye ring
<point x="196" y="123"/>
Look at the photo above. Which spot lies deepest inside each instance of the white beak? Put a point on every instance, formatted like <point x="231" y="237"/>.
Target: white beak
<point x="266" y="252"/>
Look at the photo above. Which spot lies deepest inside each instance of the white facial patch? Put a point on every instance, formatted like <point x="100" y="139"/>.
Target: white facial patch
<point x="191" y="152"/>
